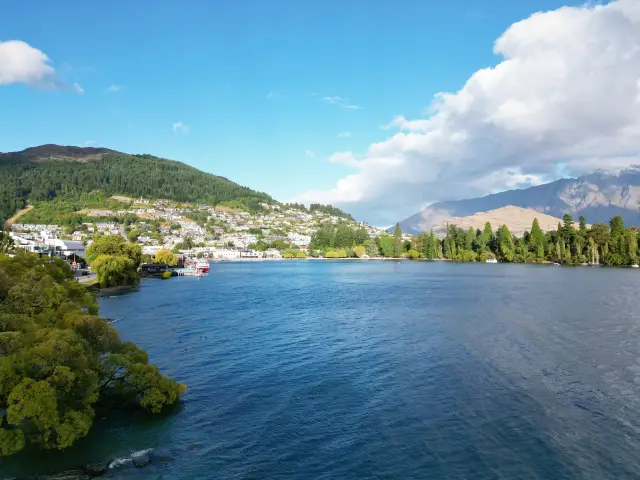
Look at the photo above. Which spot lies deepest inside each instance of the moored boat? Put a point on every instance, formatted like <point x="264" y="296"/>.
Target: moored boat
<point x="202" y="267"/>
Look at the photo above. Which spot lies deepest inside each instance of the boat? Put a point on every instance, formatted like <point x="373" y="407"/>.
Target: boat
<point x="491" y="260"/>
<point x="635" y="265"/>
<point x="202" y="267"/>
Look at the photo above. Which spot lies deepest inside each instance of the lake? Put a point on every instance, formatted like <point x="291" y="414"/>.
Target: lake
<point x="382" y="370"/>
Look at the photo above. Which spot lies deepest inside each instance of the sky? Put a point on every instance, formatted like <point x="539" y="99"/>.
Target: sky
<point x="378" y="107"/>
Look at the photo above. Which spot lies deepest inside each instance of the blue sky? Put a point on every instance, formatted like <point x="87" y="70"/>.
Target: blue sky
<point x="249" y="79"/>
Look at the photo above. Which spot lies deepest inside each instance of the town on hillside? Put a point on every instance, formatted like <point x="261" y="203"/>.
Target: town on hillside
<point x="202" y="231"/>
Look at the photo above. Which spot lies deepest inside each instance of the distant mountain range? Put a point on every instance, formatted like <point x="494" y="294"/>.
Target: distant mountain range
<point x="598" y="196"/>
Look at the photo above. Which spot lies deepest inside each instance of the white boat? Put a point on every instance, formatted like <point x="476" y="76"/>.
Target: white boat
<point x="202" y="267"/>
<point x="635" y="265"/>
<point x="491" y="260"/>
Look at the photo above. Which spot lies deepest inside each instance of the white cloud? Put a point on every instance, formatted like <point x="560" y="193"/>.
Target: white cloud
<point x="113" y="88"/>
<point x="309" y="153"/>
<point x="344" y="158"/>
<point x="273" y="95"/>
<point x="344" y="134"/>
<point x="22" y="63"/>
<point x="560" y="100"/>
<point x="341" y="102"/>
<point x="180" y="127"/>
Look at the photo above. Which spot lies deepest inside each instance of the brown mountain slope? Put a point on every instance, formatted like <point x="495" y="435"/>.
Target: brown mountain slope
<point x="517" y="219"/>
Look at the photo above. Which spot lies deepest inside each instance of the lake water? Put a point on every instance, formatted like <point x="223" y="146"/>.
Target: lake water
<point x="382" y="370"/>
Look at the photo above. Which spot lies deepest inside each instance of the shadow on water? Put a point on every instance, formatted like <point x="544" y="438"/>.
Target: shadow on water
<point x="115" y="435"/>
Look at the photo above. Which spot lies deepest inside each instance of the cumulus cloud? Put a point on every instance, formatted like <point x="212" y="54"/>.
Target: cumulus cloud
<point x="22" y="63"/>
<point x="341" y="102"/>
<point x="562" y="99"/>
<point x="180" y="127"/>
<point x="113" y="88"/>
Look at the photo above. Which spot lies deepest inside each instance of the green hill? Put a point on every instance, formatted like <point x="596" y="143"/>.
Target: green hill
<point x="53" y="172"/>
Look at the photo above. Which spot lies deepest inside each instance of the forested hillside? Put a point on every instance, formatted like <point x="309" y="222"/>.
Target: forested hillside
<point x="48" y="172"/>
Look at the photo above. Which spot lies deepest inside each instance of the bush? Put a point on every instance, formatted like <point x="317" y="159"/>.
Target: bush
<point x="412" y="254"/>
<point x="166" y="275"/>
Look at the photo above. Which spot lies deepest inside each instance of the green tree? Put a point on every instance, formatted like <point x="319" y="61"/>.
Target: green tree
<point x="537" y="241"/>
<point x="397" y="235"/>
<point x="371" y="247"/>
<point x="505" y="248"/>
<point x="6" y="242"/>
<point x="114" y="245"/>
<point x="387" y="245"/>
<point x="57" y="359"/>
<point x="360" y="251"/>
<point x="413" y="254"/>
<point x="115" y="270"/>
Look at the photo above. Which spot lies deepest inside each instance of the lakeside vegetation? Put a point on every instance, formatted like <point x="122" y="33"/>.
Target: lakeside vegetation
<point x="602" y="244"/>
<point x="60" y="361"/>
<point x="115" y="261"/>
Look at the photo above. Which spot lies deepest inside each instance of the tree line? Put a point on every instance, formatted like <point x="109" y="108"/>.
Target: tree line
<point x="601" y="244"/>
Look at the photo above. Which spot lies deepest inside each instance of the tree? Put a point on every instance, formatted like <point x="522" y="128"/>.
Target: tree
<point x="568" y="231"/>
<point x="58" y="358"/>
<point x="397" y="235"/>
<point x="413" y="254"/>
<point x="371" y="247"/>
<point x="6" y="242"/>
<point x="537" y="241"/>
<point x="114" y="245"/>
<point x="360" y="251"/>
<point x="504" y="243"/>
<point x="115" y="270"/>
<point x="387" y="245"/>
<point x="167" y="257"/>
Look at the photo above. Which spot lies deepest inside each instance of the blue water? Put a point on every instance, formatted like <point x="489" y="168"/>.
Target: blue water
<point x="385" y="370"/>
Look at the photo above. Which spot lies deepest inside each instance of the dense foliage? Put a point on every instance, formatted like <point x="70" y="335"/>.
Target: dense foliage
<point x="115" y="261"/>
<point x="317" y="207"/>
<point x="600" y="244"/>
<point x="6" y="242"/>
<point x="337" y="236"/>
<point x="59" y="360"/>
<point x="167" y="257"/>
<point x="134" y="175"/>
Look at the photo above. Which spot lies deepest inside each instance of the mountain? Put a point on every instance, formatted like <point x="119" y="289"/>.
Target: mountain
<point x="52" y="172"/>
<point x="598" y="196"/>
<point x="517" y="219"/>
